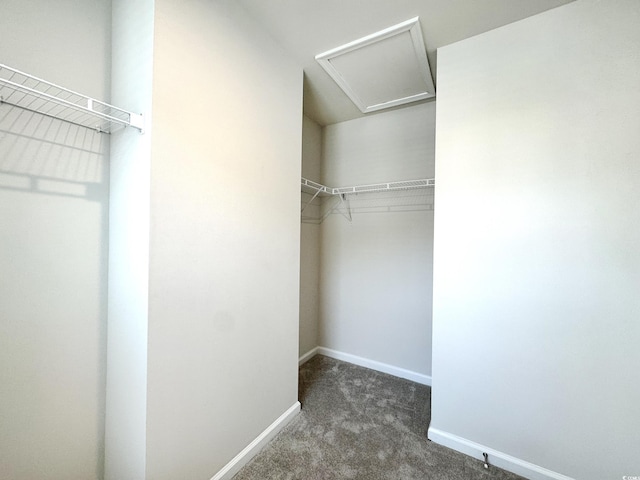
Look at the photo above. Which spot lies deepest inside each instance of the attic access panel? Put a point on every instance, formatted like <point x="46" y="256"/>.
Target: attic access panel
<point x="382" y="70"/>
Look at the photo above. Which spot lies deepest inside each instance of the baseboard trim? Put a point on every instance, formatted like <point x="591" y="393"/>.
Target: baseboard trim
<point x="373" y="364"/>
<point x="240" y="460"/>
<point x="499" y="459"/>
<point x="308" y="356"/>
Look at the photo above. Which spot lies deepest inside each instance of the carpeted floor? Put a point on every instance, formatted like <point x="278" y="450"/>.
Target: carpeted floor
<point x="360" y="424"/>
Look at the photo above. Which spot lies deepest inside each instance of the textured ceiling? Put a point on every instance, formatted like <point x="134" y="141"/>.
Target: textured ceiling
<point x="306" y="28"/>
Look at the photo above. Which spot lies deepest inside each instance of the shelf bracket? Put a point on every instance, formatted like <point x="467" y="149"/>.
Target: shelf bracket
<point x="346" y="207"/>
<point x="309" y="202"/>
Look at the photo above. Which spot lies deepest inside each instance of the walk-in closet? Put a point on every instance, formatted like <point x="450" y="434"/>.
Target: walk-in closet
<point x="367" y="246"/>
<point x="428" y="202"/>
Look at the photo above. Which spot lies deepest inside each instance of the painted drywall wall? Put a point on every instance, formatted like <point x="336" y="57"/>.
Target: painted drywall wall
<point x="310" y="240"/>
<point x="225" y="237"/>
<point x="376" y="274"/>
<point x="129" y="217"/>
<point x="536" y="260"/>
<point x="53" y="249"/>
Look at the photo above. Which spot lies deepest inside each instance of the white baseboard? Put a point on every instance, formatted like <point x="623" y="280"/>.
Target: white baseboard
<point x="365" y="362"/>
<point x="240" y="460"/>
<point x="499" y="459"/>
<point x="308" y="356"/>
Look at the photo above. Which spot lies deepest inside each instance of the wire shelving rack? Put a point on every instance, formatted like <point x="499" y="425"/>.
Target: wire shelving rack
<point x="31" y="93"/>
<point x="316" y="190"/>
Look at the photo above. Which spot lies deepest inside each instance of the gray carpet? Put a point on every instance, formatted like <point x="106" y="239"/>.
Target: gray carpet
<point x="360" y="424"/>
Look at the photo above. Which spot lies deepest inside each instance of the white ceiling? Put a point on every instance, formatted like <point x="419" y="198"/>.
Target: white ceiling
<point x="306" y="28"/>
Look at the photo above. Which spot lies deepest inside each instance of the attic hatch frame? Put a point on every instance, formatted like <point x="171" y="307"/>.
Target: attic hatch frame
<point x="25" y="91"/>
<point x="412" y="26"/>
<point x="317" y="189"/>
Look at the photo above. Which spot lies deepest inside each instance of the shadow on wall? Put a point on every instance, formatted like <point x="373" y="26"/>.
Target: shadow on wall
<point x="45" y="155"/>
<point x="66" y="167"/>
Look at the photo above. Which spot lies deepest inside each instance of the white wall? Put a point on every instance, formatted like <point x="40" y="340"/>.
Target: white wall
<point x="376" y="271"/>
<point x="537" y="268"/>
<point x="53" y="249"/>
<point x="130" y="160"/>
<point x="310" y="240"/>
<point x="225" y="237"/>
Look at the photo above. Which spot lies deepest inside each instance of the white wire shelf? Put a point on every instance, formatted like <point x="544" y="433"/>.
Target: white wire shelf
<point x="315" y="190"/>
<point x="34" y="94"/>
<point x="376" y="187"/>
<point x="315" y="187"/>
<point x="383" y="187"/>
